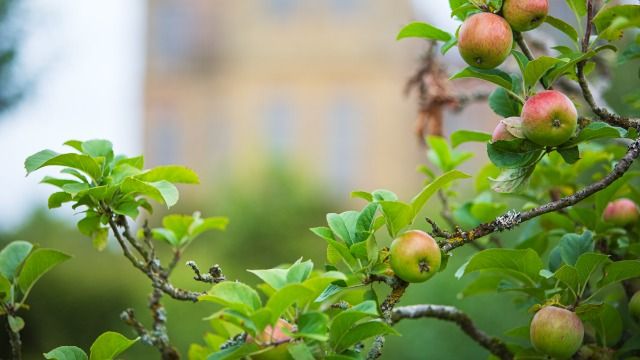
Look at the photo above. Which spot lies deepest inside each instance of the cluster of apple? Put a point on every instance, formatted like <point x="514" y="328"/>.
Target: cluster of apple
<point x="558" y="332"/>
<point x="485" y="41"/>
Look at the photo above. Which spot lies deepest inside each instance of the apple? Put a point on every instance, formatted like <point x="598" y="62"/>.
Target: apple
<point x="634" y="305"/>
<point x="525" y="15"/>
<point x="549" y="118"/>
<point x="277" y="337"/>
<point x="556" y="332"/>
<point x="621" y="212"/>
<point x="501" y="132"/>
<point x="485" y="40"/>
<point x="415" y="256"/>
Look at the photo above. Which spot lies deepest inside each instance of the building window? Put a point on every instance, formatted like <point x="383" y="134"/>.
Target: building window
<point x="345" y="123"/>
<point x="280" y="9"/>
<point x="344" y="8"/>
<point x="279" y="125"/>
<point x="173" y="39"/>
<point x="166" y="137"/>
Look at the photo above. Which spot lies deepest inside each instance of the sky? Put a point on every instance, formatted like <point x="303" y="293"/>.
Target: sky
<point x="85" y="60"/>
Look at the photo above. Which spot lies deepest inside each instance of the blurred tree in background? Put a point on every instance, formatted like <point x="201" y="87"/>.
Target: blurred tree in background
<point x="9" y="36"/>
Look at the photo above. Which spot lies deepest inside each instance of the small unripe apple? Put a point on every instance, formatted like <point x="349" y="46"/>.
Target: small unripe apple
<point x="634" y="305"/>
<point x="525" y="15"/>
<point x="274" y="335"/>
<point x="556" y="332"/>
<point x="485" y="40"/>
<point x="415" y="256"/>
<point x="621" y="212"/>
<point x="549" y="118"/>
<point x="501" y="132"/>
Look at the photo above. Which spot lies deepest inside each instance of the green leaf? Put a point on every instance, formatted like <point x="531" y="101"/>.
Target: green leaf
<point x="569" y="276"/>
<point x="235" y="352"/>
<point x="285" y="297"/>
<point x="517" y="153"/>
<point x="420" y="200"/>
<point x="524" y="261"/>
<point x="562" y="26"/>
<point x="340" y="225"/>
<point x="521" y="59"/>
<point x="511" y="180"/>
<point x="97" y="148"/>
<point x="37" y="160"/>
<point x="397" y="215"/>
<point x="503" y="104"/>
<point x="299" y="271"/>
<point x="161" y="191"/>
<point x="230" y="293"/>
<point x="300" y="351"/>
<point x="570" y="155"/>
<point x="276" y="278"/>
<point x="459" y="137"/>
<point x="109" y="345"/>
<point x="619" y="271"/>
<point x="328" y="292"/>
<point x="76" y="144"/>
<point x="313" y="325"/>
<point x="39" y="262"/>
<point x="5" y="288"/>
<point x="362" y="195"/>
<point x="495" y="76"/>
<point x="597" y="130"/>
<point x="612" y="21"/>
<point x="345" y="320"/>
<point x="57" y="199"/>
<point x="569" y="66"/>
<point x="579" y="7"/>
<point x="362" y="332"/>
<point x="12" y="256"/>
<point x="423" y="30"/>
<point x="365" y="222"/>
<point x="536" y="68"/>
<point x="384" y="195"/>
<point x="66" y="353"/>
<point x="588" y="263"/>
<point x="16" y="323"/>
<point x="170" y="173"/>
<point x="84" y="163"/>
<point x="100" y="238"/>
<point x="573" y="245"/>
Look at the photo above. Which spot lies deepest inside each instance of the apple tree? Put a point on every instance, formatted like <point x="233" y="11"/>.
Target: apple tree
<point x="553" y="215"/>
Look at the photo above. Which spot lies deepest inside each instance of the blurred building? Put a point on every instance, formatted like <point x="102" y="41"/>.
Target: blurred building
<point x="232" y="85"/>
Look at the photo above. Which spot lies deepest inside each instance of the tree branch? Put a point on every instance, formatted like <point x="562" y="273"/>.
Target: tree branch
<point x="450" y="313"/>
<point x="602" y="113"/>
<point x="513" y="218"/>
<point x="397" y="290"/>
<point x="14" y="338"/>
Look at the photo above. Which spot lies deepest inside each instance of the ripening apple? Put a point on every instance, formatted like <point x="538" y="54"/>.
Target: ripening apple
<point x="621" y="212"/>
<point x="485" y="40"/>
<point x="556" y="332"/>
<point x="415" y="256"/>
<point x="549" y="118"/>
<point x="501" y="133"/>
<point x="277" y="337"/>
<point x="525" y="15"/>
<point x="634" y="305"/>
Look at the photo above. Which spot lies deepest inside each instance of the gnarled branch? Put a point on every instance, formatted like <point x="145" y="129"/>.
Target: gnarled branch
<point x="450" y="313"/>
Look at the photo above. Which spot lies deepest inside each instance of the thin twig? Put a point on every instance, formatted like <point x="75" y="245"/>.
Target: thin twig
<point x="528" y="53"/>
<point x="450" y="313"/>
<point x="602" y="113"/>
<point x="512" y="218"/>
